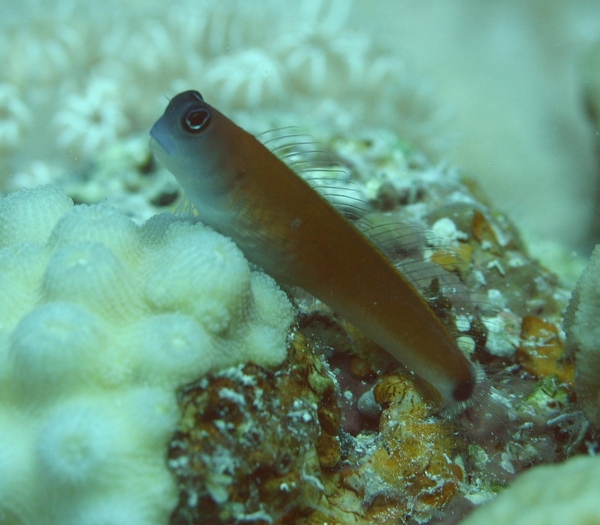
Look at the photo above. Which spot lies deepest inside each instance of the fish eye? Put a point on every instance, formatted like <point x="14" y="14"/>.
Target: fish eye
<point x="195" y="120"/>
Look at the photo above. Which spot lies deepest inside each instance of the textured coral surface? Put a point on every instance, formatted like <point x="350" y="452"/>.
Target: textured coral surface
<point x="100" y="321"/>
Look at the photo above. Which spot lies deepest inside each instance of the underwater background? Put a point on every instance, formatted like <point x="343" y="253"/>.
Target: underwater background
<point x="483" y="112"/>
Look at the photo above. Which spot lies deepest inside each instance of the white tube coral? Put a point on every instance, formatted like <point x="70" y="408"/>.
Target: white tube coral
<point x="172" y="347"/>
<point x="102" y="321"/>
<point x="17" y="467"/>
<point x="91" y="121"/>
<point x="90" y="84"/>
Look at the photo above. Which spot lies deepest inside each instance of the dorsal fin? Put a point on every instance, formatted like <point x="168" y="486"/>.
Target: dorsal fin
<point x="405" y="244"/>
<point x="433" y="266"/>
<point x="408" y="246"/>
<point x="302" y="154"/>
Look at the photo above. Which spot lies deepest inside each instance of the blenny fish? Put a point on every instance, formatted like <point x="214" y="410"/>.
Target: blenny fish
<point x="282" y="224"/>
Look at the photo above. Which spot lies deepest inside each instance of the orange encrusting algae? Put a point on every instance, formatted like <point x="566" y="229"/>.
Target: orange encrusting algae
<point x="282" y="224"/>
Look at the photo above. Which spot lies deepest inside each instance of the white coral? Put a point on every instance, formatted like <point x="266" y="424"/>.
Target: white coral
<point x="248" y="79"/>
<point x="547" y="495"/>
<point x="32" y="211"/>
<point x="54" y="348"/>
<point x="100" y="321"/>
<point x="322" y="64"/>
<point x="15" y="116"/>
<point x="40" y="52"/>
<point x="90" y="121"/>
<point x="37" y="173"/>
<point x="101" y="84"/>
<point x="320" y="57"/>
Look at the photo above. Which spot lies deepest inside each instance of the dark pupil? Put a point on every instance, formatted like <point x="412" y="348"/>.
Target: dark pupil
<point x="195" y="120"/>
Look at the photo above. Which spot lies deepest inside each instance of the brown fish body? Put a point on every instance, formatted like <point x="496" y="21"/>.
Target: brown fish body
<point x="283" y="225"/>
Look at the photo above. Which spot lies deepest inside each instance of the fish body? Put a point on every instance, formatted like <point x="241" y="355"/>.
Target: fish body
<point x="244" y="191"/>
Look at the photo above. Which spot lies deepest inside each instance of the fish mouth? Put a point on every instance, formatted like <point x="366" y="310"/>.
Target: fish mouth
<point x="160" y="135"/>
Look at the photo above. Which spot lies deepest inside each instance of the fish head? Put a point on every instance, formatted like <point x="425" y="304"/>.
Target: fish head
<point x="191" y="140"/>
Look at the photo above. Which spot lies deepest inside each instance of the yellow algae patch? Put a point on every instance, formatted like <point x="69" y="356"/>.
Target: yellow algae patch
<point x="484" y="233"/>
<point x="459" y="259"/>
<point x="542" y="352"/>
<point x="412" y="468"/>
